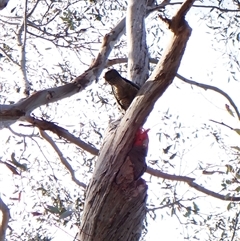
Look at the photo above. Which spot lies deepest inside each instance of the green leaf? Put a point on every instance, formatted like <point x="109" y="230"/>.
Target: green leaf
<point x="237" y="130"/>
<point x="52" y="209"/>
<point x="229" y="206"/>
<point x="195" y="207"/>
<point x="237" y="189"/>
<point x="66" y="214"/>
<point x="172" y="156"/>
<point x="188" y="213"/>
<point x="173" y="211"/>
<point x="227" y="196"/>
<point x="165" y="151"/>
<point x="23" y="167"/>
<point x="237" y="175"/>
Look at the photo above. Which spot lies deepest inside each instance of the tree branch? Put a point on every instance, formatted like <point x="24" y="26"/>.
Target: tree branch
<point x="45" y="125"/>
<point x="62" y="158"/>
<point x="223" y="124"/>
<point x="210" y="87"/>
<point x="191" y="183"/>
<point x="61" y="132"/>
<point x="22" y="37"/>
<point x="138" y="59"/>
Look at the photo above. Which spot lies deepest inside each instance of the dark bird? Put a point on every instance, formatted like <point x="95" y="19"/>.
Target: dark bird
<point x="123" y="89"/>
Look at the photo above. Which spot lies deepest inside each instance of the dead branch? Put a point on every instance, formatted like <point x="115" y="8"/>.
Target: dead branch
<point x="236" y="221"/>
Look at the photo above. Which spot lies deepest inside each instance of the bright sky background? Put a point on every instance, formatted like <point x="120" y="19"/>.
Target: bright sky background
<point x="192" y="104"/>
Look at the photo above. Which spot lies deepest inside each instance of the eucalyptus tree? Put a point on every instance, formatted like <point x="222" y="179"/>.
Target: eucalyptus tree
<point x="53" y="54"/>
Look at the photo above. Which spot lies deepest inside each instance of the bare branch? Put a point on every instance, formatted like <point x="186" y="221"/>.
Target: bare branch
<point x="33" y="9"/>
<point x="9" y="57"/>
<point x="218" y="8"/>
<point x="164" y="206"/>
<point x="191" y="183"/>
<point x="4" y="219"/>
<point x="178" y="202"/>
<point x="223" y="124"/>
<point x="210" y="87"/>
<point x="62" y="158"/>
<point x="61" y="132"/>
<point x="112" y="62"/>
<point x="158" y="173"/>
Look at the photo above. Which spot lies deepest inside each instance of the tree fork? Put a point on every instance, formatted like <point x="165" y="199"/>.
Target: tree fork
<point x="111" y="212"/>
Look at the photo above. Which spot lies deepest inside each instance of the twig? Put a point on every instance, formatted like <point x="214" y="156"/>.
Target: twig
<point x="221" y="123"/>
<point x="210" y="87"/>
<point x="235" y="226"/>
<point x="164" y="206"/>
<point x="9" y="57"/>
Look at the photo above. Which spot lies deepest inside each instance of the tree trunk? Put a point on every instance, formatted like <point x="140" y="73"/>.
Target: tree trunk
<point x="116" y="211"/>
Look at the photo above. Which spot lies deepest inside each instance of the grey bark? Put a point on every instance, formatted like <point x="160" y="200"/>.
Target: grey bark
<point x="138" y="59"/>
<point x="112" y="212"/>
